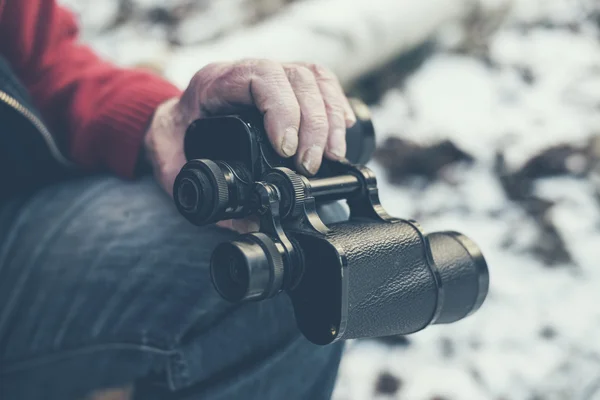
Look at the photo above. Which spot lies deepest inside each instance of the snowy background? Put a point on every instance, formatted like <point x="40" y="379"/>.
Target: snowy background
<point x="494" y="77"/>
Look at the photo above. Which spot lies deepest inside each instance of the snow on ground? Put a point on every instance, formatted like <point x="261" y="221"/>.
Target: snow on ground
<point x="500" y="352"/>
<point x="538" y="334"/>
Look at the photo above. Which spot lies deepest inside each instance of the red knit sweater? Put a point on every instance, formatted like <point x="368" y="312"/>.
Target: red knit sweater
<point x="103" y="110"/>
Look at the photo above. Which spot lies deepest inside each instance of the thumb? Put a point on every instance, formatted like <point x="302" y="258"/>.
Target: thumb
<point x="163" y="143"/>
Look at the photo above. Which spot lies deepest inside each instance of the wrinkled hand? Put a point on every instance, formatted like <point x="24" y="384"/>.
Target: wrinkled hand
<point x="305" y="114"/>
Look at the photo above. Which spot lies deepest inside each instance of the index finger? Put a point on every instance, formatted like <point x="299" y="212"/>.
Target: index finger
<point x="263" y="84"/>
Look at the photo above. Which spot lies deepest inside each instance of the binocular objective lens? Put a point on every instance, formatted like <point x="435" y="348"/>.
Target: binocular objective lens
<point x="463" y="272"/>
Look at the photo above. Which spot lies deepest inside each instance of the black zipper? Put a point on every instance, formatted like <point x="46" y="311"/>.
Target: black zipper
<point x="39" y="125"/>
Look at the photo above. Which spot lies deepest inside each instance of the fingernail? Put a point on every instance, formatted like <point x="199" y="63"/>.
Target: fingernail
<point x="311" y="159"/>
<point x="350" y="120"/>
<point x="337" y="147"/>
<point x="290" y="142"/>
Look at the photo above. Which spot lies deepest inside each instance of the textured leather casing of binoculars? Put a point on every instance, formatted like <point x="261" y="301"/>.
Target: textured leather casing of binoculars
<point x="368" y="275"/>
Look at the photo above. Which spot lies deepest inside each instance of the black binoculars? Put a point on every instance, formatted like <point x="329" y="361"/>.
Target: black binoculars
<point x="371" y="275"/>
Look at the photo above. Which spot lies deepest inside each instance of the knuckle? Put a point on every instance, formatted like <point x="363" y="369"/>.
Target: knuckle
<point x="208" y="71"/>
<point x="334" y="108"/>
<point x="247" y="63"/>
<point x="271" y="73"/>
<point x="244" y="67"/>
<point x="322" y="72"/>
<point x="265" y="67"/>
<point x="239" y="68"/>
<point x="202" y="79"/>
<point x="305" y="74"/>
<point x="300" y="75"/>
<point x="237" y="73"/>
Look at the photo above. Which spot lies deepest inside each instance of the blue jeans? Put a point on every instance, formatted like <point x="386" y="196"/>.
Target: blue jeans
<point x="103" y="283"/>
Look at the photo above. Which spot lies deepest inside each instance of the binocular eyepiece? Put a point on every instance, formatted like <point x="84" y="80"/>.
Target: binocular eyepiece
<point x="365" y="276"/>
<point x="209" y="191"/>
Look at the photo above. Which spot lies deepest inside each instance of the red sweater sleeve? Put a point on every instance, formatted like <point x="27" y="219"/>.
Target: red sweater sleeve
<point x="101" y="110"/>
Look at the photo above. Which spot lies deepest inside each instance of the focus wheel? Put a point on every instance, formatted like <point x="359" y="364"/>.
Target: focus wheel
<point x="299" y="196"/>
<point x="292" y="187"/>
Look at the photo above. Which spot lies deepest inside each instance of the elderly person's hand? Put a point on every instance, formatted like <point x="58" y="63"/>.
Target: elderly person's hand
<point x="305" y="113"/>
